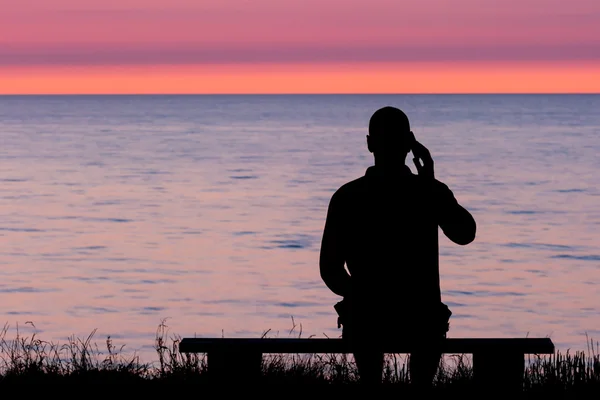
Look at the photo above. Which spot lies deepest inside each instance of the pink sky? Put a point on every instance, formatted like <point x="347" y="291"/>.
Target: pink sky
<point x="45" y="35"/>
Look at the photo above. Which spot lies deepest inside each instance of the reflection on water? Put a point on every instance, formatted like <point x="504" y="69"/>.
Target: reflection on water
<point x="117" y="212"/>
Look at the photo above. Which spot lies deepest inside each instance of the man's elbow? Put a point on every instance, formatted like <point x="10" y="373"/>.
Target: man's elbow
<point x="461" y="230"/>
<point x="465" y="239"/>
<point x="467" y="233"/>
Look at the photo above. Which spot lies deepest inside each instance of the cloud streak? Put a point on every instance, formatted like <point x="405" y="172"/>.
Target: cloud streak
<point x="189" y="54"/>
<point x="282" y="27"/>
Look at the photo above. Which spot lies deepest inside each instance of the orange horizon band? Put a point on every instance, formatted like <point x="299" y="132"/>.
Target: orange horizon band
<point x="303" y="79"/>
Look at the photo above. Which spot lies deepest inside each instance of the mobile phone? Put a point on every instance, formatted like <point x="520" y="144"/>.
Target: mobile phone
<point x="411" y="140"/>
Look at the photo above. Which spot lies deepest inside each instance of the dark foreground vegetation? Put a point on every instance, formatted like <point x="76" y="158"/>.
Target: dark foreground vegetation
<point x="30" y="360"/>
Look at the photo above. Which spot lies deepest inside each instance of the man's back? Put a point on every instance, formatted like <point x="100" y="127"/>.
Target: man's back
<point x="387" y="231"/>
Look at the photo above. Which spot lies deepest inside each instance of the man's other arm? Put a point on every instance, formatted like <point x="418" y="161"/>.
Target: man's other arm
<point x="456" y="222"/>
<point x="332" y="260"/>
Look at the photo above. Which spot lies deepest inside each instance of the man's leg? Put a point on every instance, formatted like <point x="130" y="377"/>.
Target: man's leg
<point x="423" y="366"/>
<point x="425" y="360"/>
<point x="370" y="366"/>
<point x="368" y="362"/>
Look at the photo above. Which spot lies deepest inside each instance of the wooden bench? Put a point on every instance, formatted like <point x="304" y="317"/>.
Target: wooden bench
<point x="494" y="360"/>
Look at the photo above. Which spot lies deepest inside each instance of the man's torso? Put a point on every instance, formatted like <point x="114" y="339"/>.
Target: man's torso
<point x="390" y="240"/>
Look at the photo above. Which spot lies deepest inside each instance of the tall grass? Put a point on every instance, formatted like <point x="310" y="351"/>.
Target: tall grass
<point x="567" y="371"/>
<point x="28" y="359"/>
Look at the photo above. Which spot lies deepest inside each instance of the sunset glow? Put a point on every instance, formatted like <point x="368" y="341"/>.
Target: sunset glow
<point x="308" y="46"/>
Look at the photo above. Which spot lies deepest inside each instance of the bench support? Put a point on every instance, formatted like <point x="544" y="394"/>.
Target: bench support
<point x="503" y="372"/>
<point x="234" y="364"/>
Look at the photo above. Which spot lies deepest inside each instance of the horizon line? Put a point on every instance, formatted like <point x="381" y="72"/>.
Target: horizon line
<point x="305" y="94"/>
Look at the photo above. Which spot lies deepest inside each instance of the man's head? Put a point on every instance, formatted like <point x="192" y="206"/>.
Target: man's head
<point x="390" y="137"/>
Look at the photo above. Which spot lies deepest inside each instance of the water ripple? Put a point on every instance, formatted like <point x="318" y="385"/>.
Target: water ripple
<point x="147" y="310"/>
<point x="570" y="190"/>
<point x="485" y="293"/>
<point x="26" y="289"/>
<point x="87" y="278"/>
<point x="119" y="220"/>
<point x="13" y="180"/>
<point x="297" y="304"/>
<point x="291" y="242"/>
<point x="96" y="310"/>
<point x="540" y="246"/>
<point x="244" y="233"/>
<point x="591" y="257"/>
<point x="243" y="177"/>
<point x="22" y="229"/>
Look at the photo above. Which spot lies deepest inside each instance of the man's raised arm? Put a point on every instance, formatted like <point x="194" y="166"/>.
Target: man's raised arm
<point x="456" y="222"/>
<point x="332" y="260"/>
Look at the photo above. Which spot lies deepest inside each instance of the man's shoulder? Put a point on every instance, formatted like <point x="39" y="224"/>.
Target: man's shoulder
<point x="350" y="188"/>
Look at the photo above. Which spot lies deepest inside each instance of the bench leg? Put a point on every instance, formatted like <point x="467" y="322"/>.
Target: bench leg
<point x="234" y="366"/>
<point x="499" y="371"/>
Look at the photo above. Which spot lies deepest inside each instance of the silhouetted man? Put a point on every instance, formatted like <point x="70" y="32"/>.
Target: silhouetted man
<point x="383" y="227"/>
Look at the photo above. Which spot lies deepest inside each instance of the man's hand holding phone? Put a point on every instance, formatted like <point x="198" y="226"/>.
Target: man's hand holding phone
<point x="422" y="160"/>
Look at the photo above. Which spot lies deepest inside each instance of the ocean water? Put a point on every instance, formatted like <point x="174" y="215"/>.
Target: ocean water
<point x="117" y="212"/>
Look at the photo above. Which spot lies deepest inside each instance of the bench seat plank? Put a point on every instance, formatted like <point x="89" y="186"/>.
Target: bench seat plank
<point x="331" y="346"/>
